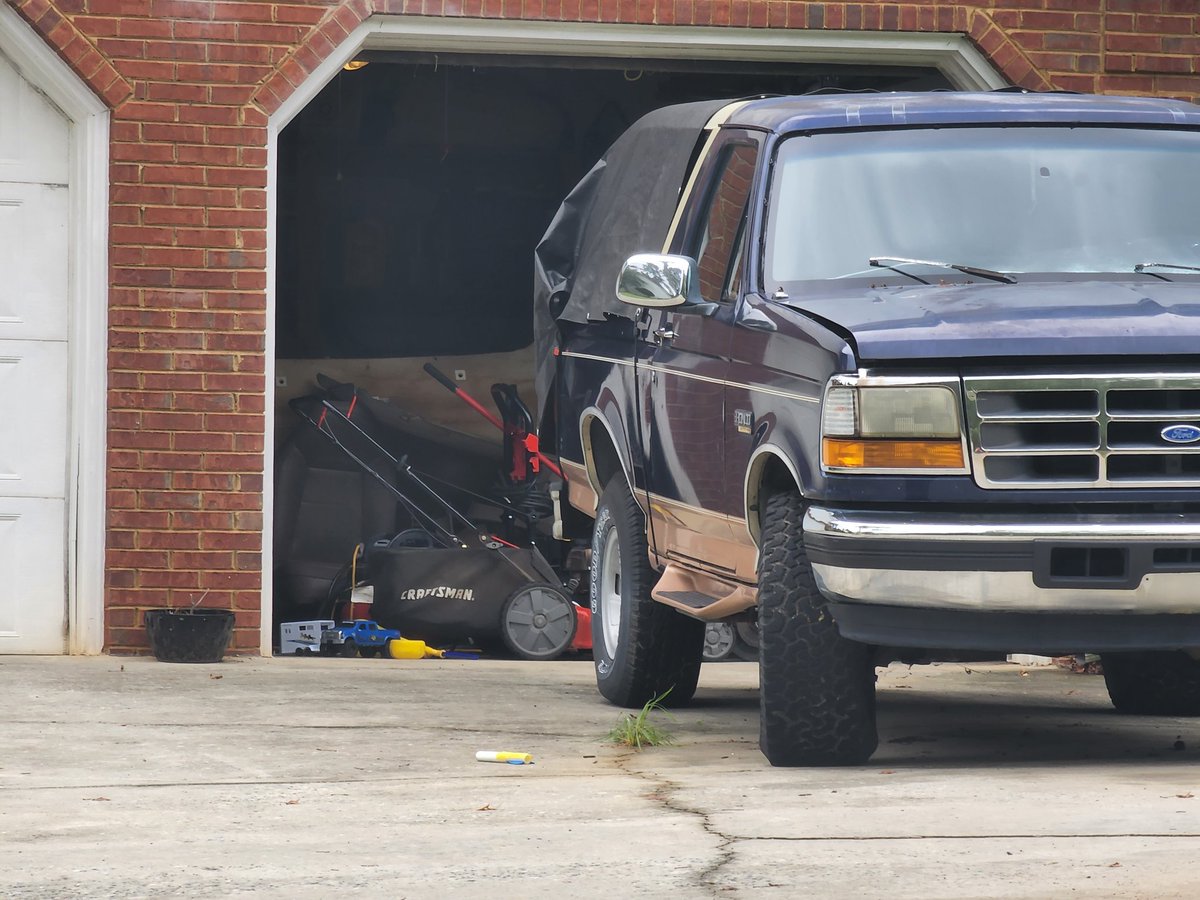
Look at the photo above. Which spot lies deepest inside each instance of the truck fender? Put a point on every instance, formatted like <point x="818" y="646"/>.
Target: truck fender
<point x="605" y="447"/>
<point x="770" y="469"/>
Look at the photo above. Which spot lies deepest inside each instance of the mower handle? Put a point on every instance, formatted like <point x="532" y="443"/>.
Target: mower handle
<point x="436" y="373"/>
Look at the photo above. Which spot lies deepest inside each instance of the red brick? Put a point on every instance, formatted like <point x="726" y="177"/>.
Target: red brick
<point x="235" y="259"/>
<point x="170" y="540"/>
<point x="207" y="153"/>
<point x="243" y="12"/>
<point x="157" y="70"/>
<point x="1133" y="43"/>
<point x="137" y="559"/>
<point x="251" y="53"/>
<point x="176" y="92"/>
<point x="207" y="196"/>
<point x="1166" y="24"/>
<point x="148" y="112"/>
<point x="207" y="237"/>
<point x="1189" y="45"/>
<point x="1152" y="6"/>
<point x="242" y="177"/>
<point x="204" y="278"/>
<point x="169" y="578"/>
<point x="262" y="33"/>
<point x="143" y="152"/>
<point x="1175" y="65"/>
<point x="156" y="131"/>
<point x="201" y="559"/>
<point x="204" y="442"/>
<point x="235" y="462"/>
<point x="141" y="276"/>
<point x="173" y="174"/>
<point x="242" y="343"/>
<point x="233" y="382"/>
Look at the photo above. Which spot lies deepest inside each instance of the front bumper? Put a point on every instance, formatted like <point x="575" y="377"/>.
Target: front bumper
<point x="1080" y="564"/>
<point x="978" y="581"/>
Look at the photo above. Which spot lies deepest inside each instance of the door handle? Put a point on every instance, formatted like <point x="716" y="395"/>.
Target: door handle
<point x="665" y="333"/>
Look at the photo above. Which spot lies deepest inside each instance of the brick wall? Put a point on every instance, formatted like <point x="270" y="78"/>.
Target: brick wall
<point x="191" y="84"/>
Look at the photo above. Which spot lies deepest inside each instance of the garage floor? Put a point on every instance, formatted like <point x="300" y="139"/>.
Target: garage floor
<point x="299" y="777"/>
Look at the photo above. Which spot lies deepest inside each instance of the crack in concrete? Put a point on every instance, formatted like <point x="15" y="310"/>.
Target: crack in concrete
<point x="665" y="792"/>
<point x="664" y="795"/>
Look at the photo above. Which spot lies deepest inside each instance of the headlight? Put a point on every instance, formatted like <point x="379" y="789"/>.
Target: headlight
<point x="897" y="427"/>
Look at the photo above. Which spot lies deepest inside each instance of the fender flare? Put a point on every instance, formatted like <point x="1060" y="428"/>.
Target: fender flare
<point x="762" y="456"/>
<point x="619" y="444"/>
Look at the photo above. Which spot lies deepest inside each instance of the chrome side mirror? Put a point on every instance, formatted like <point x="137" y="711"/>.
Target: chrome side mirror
<point x="659" y="280"/>
<point x="655" y="280"/>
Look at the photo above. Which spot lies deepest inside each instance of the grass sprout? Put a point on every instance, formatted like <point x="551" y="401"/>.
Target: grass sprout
<point x="637" y="731"/>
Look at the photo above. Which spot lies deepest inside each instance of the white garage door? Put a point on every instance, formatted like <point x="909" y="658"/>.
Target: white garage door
<point x="34" y="377"/>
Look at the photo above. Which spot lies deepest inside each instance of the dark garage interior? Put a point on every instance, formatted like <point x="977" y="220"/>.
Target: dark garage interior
<point x="412" y="192"/>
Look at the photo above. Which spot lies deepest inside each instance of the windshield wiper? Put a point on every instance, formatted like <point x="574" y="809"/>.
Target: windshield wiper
<point x="882" y="262"/>
<point x="1142" y="267"/>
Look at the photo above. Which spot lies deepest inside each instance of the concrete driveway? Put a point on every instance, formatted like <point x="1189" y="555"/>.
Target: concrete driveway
<point x="319" y="777"/>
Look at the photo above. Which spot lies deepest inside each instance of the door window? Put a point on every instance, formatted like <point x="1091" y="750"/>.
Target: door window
<point x="719" y="248"/>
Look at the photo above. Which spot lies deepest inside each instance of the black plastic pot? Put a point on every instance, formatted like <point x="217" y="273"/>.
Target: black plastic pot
<point x="189" y="636"/>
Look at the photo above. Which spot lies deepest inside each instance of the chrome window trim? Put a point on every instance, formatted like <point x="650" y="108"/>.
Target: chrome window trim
<point x="775" y="392"/>
<point x="605" y="359"/>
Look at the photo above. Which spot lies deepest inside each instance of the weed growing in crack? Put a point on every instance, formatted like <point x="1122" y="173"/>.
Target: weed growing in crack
<point x="636" y="731"/>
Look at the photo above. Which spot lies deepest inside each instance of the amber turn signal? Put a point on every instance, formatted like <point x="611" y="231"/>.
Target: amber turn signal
<point x="840" y="453"/>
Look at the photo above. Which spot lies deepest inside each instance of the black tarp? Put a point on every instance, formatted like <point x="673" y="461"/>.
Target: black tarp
<point x="623" y="206"/>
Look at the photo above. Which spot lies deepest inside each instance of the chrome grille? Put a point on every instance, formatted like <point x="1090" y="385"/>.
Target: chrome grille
<point x="1035" y="431"/>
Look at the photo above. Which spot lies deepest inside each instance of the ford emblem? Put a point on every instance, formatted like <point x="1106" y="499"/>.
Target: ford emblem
<point x="1181" y="434"/>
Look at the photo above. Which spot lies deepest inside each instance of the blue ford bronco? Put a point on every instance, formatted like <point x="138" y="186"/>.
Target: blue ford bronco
<point x="897" y="375"/>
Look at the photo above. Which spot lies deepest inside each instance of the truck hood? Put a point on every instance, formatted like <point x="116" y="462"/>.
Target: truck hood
<point x="1084" y="318"/>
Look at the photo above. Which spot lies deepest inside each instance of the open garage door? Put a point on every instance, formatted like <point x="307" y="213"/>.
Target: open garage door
<point x="413" y="190"/>
<point x="34" y="370"/>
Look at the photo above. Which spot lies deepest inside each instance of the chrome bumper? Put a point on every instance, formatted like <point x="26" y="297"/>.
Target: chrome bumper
<point x="993" y="563"/>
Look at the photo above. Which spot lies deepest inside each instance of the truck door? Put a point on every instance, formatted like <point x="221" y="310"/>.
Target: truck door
<point x="683" y="362"/>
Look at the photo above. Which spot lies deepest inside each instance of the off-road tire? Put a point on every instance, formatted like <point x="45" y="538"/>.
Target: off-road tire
<point x="657" y="649"/>
<point x="817" y="689"/>
<point x="1163" y="683"/>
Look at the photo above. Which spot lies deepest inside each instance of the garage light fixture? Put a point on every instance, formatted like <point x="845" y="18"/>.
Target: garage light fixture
<point x="355" y="64"/>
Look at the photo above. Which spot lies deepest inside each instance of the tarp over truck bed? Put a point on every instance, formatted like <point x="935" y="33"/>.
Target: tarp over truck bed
<point x="623" y="206"/>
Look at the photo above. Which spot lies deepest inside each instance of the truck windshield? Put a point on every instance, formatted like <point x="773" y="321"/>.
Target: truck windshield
<point x="1009" y="199"/>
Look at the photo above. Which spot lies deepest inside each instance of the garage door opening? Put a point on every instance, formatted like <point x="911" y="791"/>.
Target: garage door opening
<point x="411" y="194"/>
<point x="413" y="190"/>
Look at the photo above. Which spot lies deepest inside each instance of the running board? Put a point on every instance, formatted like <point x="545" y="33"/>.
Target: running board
<point x="702" y="596"/>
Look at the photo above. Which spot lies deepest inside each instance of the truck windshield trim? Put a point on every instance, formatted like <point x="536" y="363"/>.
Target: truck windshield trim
<point x="1069" y="200"/>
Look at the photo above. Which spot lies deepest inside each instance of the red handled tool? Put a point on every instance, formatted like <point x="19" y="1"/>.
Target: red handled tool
<point x="520" y="442"/>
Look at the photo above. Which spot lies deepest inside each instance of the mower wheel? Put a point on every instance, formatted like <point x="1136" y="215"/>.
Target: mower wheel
<point x="538" y="622"/>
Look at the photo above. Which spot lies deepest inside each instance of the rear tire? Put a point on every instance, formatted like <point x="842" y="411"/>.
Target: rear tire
<point x="641" y="648"/>
<point x="1164" y="683"/>
<point x="817" y="694"/>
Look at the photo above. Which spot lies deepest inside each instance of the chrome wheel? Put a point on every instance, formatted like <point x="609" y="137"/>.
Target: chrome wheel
<point x="610" y="592"/>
